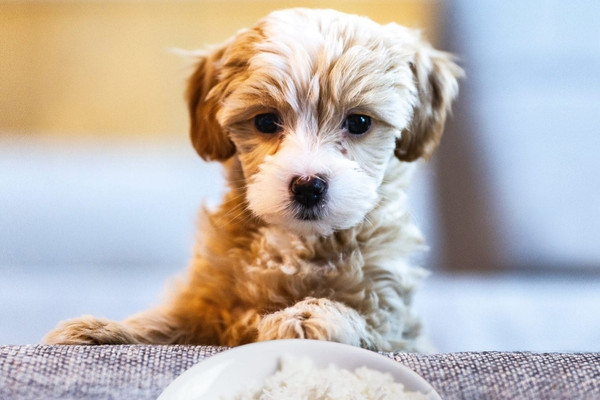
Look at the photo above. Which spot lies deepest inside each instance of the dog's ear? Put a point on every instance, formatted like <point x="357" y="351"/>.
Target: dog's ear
<point x="435" y="75"/>
<point x="208" y="138"/>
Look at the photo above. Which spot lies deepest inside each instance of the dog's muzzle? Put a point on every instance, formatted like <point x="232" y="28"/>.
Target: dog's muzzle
<point x="308" y="193"/>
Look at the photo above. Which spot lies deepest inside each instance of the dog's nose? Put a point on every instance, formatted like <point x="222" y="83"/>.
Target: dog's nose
<point x="308" y="190"/>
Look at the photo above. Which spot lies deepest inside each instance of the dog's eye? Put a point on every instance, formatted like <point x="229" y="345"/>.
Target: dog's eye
<point x="357" y="124"/>
<point x="267" y="123"/>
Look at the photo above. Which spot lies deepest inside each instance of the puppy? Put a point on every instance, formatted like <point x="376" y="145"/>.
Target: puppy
<point x="317" y="117"/>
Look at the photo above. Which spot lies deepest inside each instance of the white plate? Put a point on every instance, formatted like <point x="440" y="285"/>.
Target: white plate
<point x="229" y="372"/>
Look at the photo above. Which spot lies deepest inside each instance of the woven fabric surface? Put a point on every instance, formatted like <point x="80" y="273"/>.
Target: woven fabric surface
<point x="94" y="372"/>
<point x="515" y="375"/>
<point x="142" y="372"/>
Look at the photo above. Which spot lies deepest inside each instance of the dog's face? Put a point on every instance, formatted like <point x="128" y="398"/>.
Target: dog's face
<point x="315" y="104"/>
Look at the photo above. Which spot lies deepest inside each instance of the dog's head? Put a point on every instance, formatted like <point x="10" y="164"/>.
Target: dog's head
<point x="315" y="104"/>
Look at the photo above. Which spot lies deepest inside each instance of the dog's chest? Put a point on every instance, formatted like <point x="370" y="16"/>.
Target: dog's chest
<point x="274" y="249"/>
<point x="281" y="267"/>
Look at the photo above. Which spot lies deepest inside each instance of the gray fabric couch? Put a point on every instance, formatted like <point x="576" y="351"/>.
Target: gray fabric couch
<point x="142" y="372"/>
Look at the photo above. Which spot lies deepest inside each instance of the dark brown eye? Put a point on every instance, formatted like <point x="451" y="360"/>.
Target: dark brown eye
<point x="357" y="124"/>
<point x="267" y="123"/>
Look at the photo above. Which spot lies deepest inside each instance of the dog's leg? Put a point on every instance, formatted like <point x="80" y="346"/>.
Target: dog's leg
<point x="321" y="319"/>
<point x="90" y="330"/>
<point x="153" y="326"/>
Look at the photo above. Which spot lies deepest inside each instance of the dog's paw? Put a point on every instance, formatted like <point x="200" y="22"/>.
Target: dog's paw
<point x="89" y="330"/>
<point x="320" y="319"/>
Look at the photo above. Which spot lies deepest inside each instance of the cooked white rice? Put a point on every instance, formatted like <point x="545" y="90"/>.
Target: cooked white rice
<point x="299" y="379"/>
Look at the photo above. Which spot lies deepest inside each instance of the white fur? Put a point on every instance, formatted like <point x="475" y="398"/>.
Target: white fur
<point x="352" y="190"/>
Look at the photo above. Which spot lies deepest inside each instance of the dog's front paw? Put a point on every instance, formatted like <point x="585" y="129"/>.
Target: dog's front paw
<point x="321" y="319"/>
<point x="89" y="330"/>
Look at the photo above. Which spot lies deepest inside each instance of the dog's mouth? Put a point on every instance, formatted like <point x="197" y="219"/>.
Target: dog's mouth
<point x="308" y="214"/>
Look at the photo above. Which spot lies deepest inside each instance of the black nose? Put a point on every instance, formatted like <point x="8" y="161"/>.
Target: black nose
<point x="308" y="190"/>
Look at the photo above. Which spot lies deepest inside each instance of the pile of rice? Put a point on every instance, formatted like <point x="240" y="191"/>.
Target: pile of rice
<point x="299" y="379"/>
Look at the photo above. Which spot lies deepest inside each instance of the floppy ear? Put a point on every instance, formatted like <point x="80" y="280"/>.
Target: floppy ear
<point x="208" y="138"/>
<point x="435" y="76"/>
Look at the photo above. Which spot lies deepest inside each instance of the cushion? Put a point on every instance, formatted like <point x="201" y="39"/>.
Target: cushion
<point x="143" y="371"/>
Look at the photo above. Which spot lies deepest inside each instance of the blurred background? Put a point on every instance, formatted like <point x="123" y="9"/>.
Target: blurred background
<point x="99" y="186"/>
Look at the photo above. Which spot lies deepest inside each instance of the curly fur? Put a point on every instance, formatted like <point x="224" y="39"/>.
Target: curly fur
<point x="260" y="272"/>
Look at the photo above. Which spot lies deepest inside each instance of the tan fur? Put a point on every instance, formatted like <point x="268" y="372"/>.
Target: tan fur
<point x="260" y="273"/>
